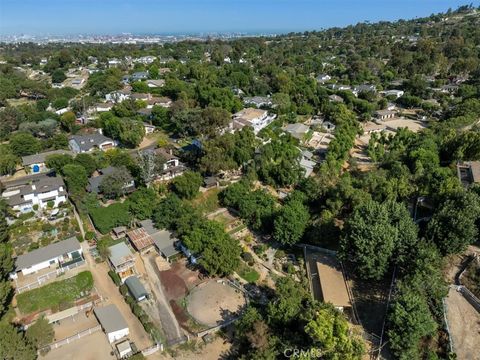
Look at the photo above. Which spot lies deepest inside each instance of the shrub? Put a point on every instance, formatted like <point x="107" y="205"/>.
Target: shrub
<point x="124" y="290"/>
<point x="89" y="235"/>
<point x="115" y="277"/>
<point x="35" y="207"/>
<point x="106" y="218"/>
<point x="248" y="258"/>
<point x="50" y="204"/>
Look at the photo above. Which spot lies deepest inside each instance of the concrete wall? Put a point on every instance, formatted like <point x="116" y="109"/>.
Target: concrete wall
<point x="117" y="335"/>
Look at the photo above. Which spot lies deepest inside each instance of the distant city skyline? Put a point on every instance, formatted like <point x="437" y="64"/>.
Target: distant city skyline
<point x="68" y="17"/>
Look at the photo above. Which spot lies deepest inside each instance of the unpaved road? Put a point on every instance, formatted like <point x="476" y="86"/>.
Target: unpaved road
<point x="464" y="323"/>
<point x="170" y="325"/>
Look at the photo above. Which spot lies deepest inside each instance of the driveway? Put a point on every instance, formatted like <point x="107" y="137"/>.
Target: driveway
<point x="111" y="295"/>
<point x="170" y="326"/>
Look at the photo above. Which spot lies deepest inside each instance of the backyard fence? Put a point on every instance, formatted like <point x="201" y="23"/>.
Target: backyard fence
<point x="73" y="338"/>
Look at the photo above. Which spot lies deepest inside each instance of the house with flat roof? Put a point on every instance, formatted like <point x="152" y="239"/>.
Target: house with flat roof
<point x="136" y="288"/>
<point x="298" y="130"/>
<point x="469" y="172"/>
<point x="332" y="283"/>
<point x="256" y="118"/>
<point x="122" y="260"/>
<point x="55" y="255"/>
<point x="42" y="190"/>
<point x="112" y="322"/>
<point x="164" y="241"/>
<point x="90" y="142"/>
<point x="36" y="163"/>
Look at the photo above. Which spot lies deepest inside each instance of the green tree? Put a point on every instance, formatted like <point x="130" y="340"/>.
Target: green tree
<point x="453" y="226"/>
<point x="186" y="186"/>
<point x="41" y="333"/>
<point x="87" y="161"/>
<point x="68" y="120"/>
<point x="13" y="345"/>
<point x="3" y="221"/>
<point x="142" y="203"/>
<point x="23" y="144"/>
<point x="75" y="177"/>
<point x="114" y="185"/>
<point x="290" y="223"/>
<point x="58" y="161"/>
<point x="58" y="76"/>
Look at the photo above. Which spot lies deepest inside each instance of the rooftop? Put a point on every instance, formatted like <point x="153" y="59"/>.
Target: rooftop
<point x="41" y="157"/>
<point x="87" y="142"/>
<point x="140" y="238"/>
<point x="135" y="287"/>
<point x="47" y="253"/>
<point x="250" y="114"/>
<point x="120" y="254"/>
<point x="110" y="318"/>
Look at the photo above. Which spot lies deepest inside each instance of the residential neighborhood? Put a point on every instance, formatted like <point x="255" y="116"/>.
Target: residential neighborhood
<point x="311" y="194"/>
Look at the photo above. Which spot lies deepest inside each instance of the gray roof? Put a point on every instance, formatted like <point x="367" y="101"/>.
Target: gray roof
<point x="163" y="239"/>
<point x="40" y="158"/>
<point x="110" y="318"/>
<point x="87" y="142"/>
<point x="119" y="254"/>
<point x="297" y="130"/>
<point x="135" y="287"/>
<point x="47" y="253"/>
<point x="34" y="184"/>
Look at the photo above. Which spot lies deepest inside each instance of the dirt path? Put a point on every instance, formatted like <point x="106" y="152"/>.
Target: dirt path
<point x="464" y="323"/>
<point x="108" y="290"/>
<point x="79" y="221"/>
<point x="170" y="325"/>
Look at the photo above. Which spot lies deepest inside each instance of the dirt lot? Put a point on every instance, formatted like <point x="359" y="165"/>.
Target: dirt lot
<point x="91" y="347"/>
<point x="73" y="325"/>
<point x="464" y="322"/>
<point x="413" y="125"/>
<point x="213" y="303"/>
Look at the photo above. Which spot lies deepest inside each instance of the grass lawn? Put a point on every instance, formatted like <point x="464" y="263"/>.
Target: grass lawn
<point x="59" y="295"/>
<point x="247" y="273"/>
<point x="207" y="202"/>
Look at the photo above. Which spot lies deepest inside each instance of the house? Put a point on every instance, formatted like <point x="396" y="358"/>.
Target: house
<point x="136" y="288"/>
<point x="112" y="322"/>
<point x="117" y="96"/>
<point x="298" y="130"/>
<point x="164" y="241"/>
<point x="78" y="82"/>
<point x="210" y="182"/>
<point x="145" y="112"/>
<point x="371" y="127"/>
<point x="172" y="166"/>
<point x="332" y="286"/>
<point x="258" y="101"/>
<point x="138" y="76"/>
<point x="121" y="260"/>
<point x="119" y="232"/>
<point x="393" y="93"/>
<point x="449" y="89"/>
<point x="114" y="62"/>
<point x="141" y="96"/>
<point x="256" y="118"/>
<point x="323" y="78"/>
<point x="163" y="101"/>
<point x="103" y="107"/>
<point x="469" y="172"/>
<point x="140" y="239"/>
<point x="59" y="254"/>
<point x="328" y="126"/>
<point x="156" y="83"/>
<point x="62" y="111"/>
<point x="124" y="349"/>
<point x="42" y="190"/>
<point x="95" y="182"/>
<point x="149" y="128"/>
<point x="90" y="142"/>
<point x="340" y="87"/>
<point x="146" y="60"/>
<point x="307" y="165"/>
<point x="364" y="88"/>
<point x="385" y="114"/>
<point x="36" y="163"/>
<point x="335" y="98"/>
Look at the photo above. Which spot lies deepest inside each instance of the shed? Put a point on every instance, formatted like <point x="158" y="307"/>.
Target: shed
<point x="165" y="243"/>
<point x="112" y="322"/>
<point x="124" y="349"/>
<point x="136" y="288"/>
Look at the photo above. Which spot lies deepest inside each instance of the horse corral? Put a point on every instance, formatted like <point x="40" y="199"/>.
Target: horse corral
<point x="213" y="303"/>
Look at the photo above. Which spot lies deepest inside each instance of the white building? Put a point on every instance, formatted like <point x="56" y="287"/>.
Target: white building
<point x="112" y="322"/>
<point x="53" y="255"/>
<point x="117" y="96"/>
<point x="256" y="118"/>
<point x="396" y="93"/>
<point x="35" y="190"/>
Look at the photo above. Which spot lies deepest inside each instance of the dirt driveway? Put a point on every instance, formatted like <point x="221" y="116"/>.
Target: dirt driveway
<point x="91" y="347"/>
<point x="170" y="325"/>
<point x="464" y="323"/>
<point x="108" y="290"/>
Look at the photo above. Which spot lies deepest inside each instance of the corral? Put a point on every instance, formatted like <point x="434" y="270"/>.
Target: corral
<point x="214" y="302"/>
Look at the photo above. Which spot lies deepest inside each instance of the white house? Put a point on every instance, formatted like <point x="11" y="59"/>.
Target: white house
<point x="322" y="78"/>
<point x="112" y="322"/>
<point x="35" y="190"/>
<point x="53" y="255"/>
<point x="117" y="96"/>
<point x="90" y="142"/>
<point x="396" y="93"/>
<point x="256" y="118"/>
<point x="385" y="114"/>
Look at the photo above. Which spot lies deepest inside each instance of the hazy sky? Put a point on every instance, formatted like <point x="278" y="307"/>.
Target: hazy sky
<point x="173" y="16"/>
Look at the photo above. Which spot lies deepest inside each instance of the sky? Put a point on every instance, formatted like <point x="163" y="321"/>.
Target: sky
<point x="61" y="17"/>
